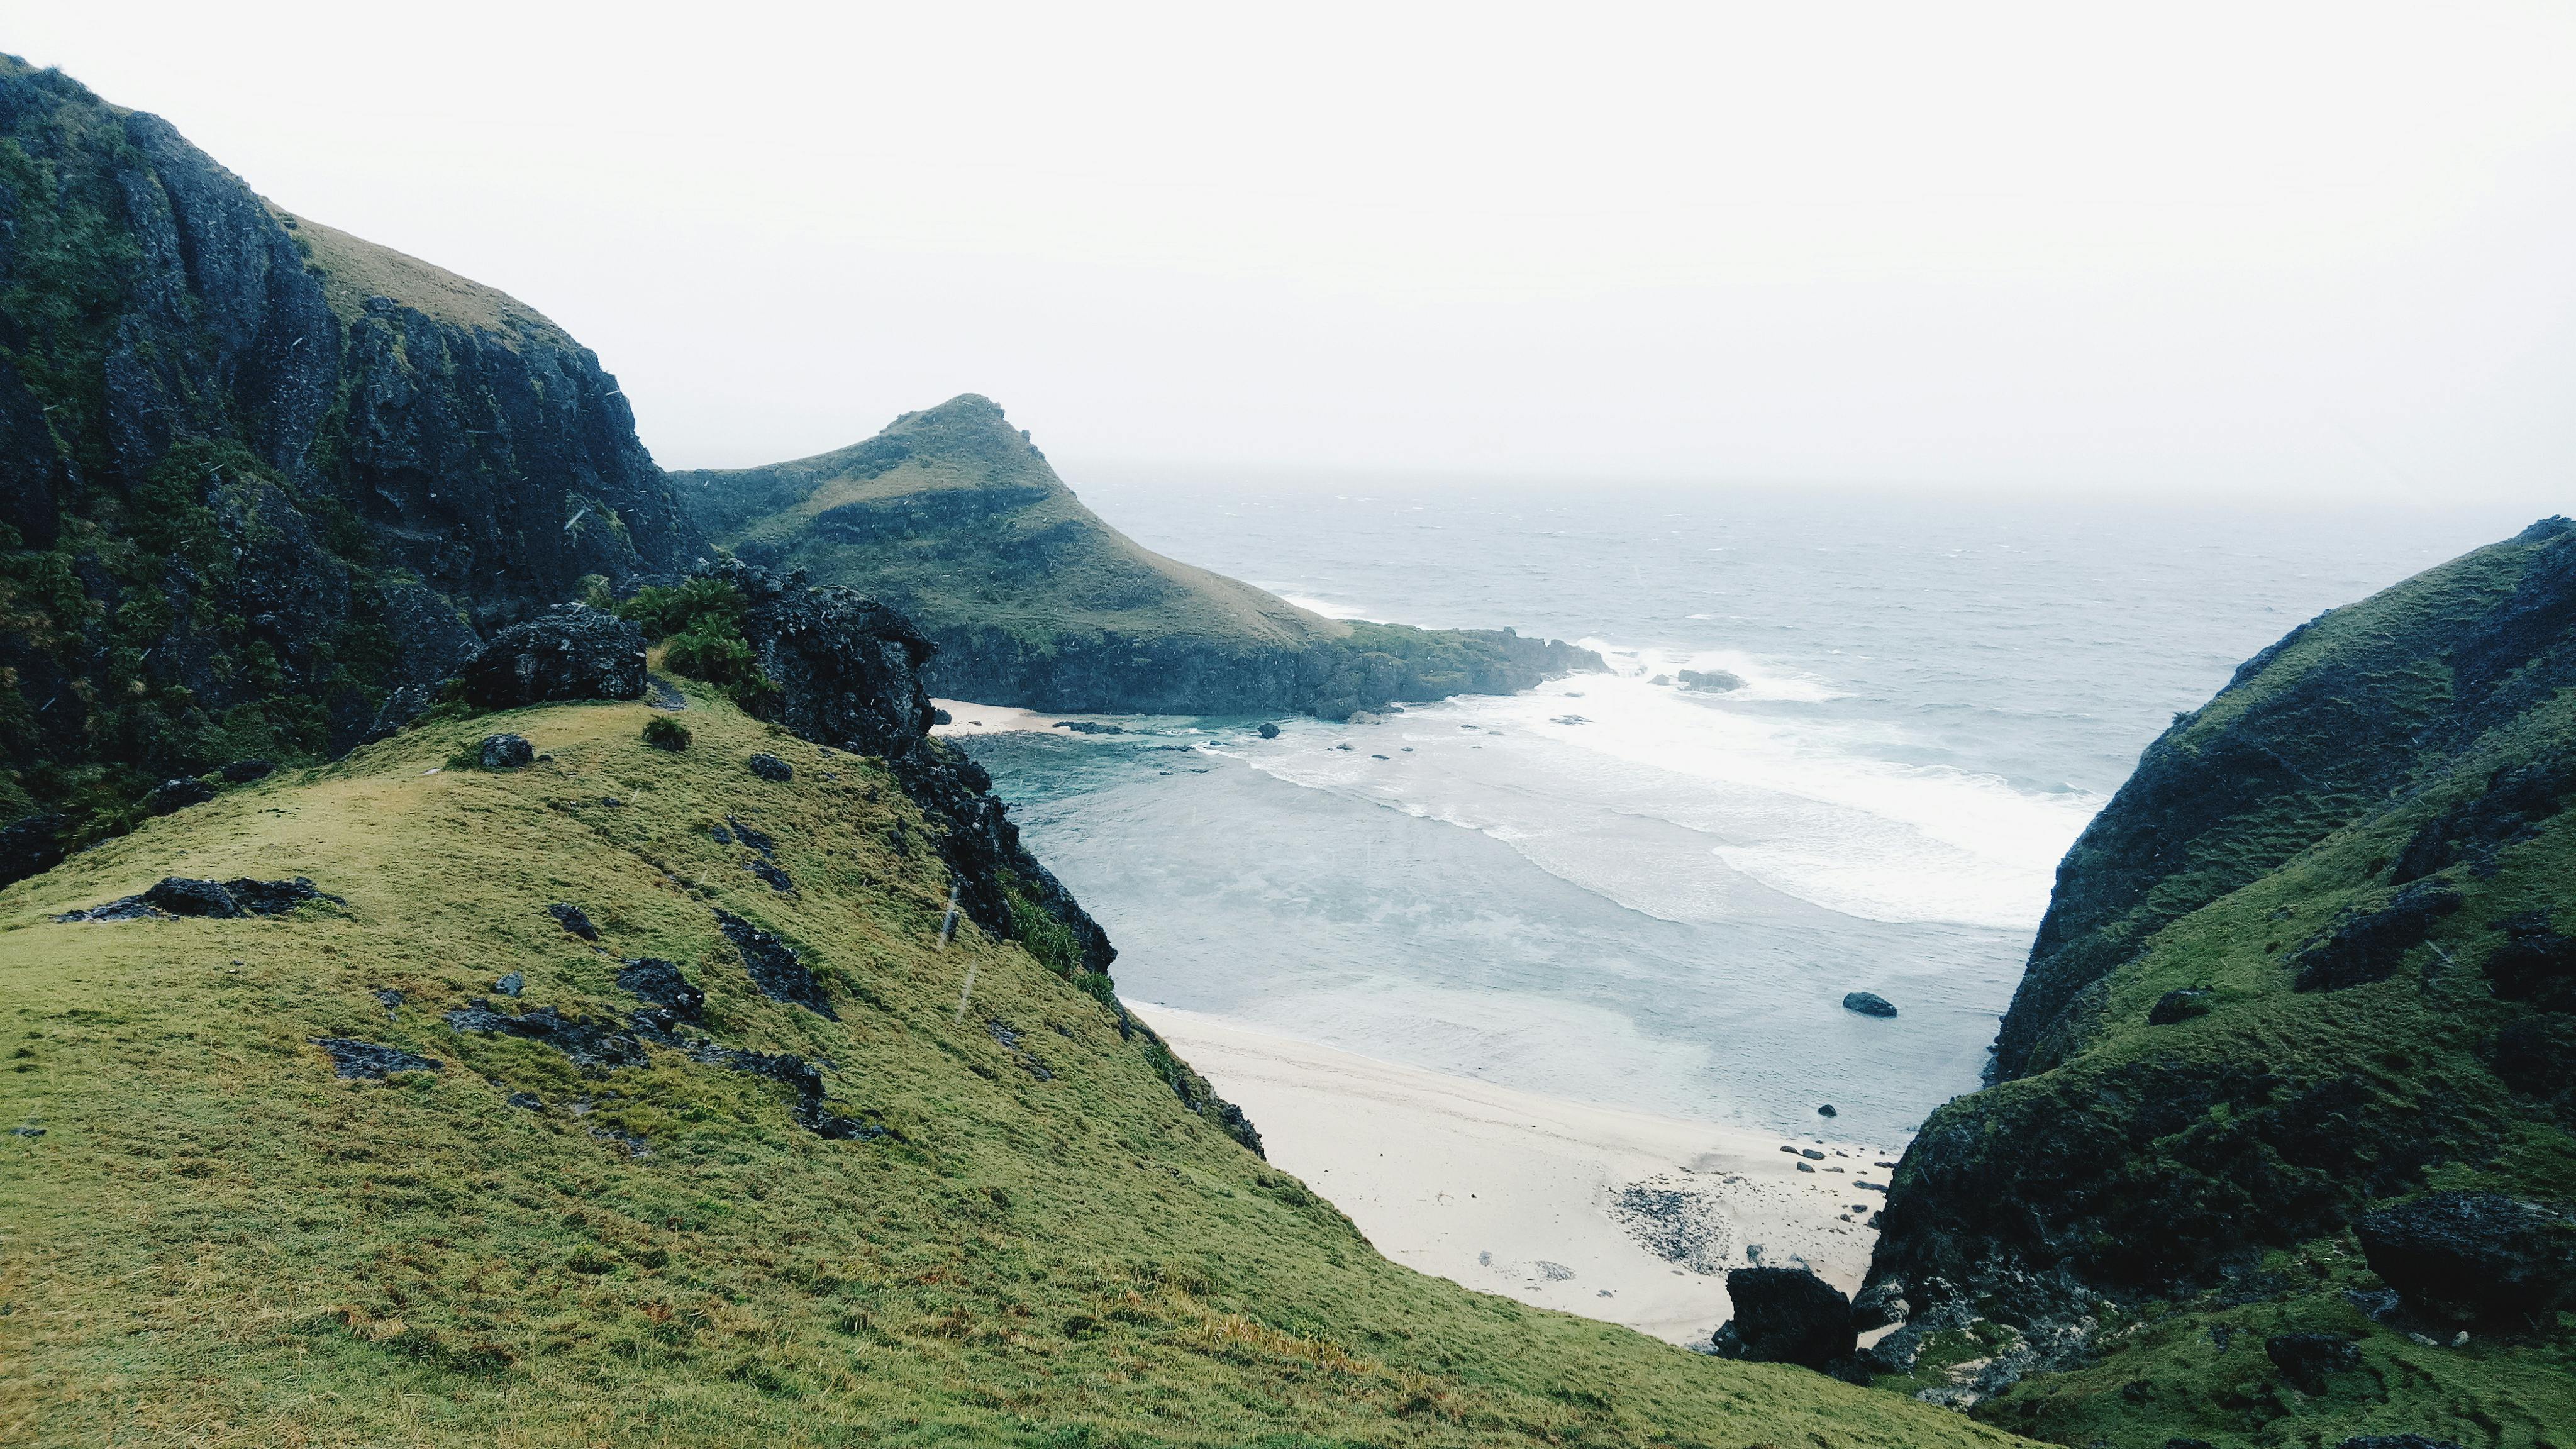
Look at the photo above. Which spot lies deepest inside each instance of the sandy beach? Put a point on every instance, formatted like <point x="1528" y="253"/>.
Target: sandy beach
<point x="968" y="718"/>
<point x="1613" y="1214"/>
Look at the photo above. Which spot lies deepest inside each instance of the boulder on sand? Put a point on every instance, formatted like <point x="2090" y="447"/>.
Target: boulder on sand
<point x="1785" y="1315"/>
<point x="1868" y="1003"/>
<point x="571" y="651"/>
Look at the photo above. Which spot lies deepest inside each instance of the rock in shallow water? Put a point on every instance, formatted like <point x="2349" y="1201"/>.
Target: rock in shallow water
<point x="1868" y="1003"/>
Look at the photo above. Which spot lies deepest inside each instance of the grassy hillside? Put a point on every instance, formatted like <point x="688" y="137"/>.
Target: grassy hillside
<point x="2310" y="961"/>
<point x="1016" y="1234"/>
<point x="950" y="513"/>
<point x="952" y="516"/>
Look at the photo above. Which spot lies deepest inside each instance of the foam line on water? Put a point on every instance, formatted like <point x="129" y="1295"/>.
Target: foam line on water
<point x="1686" y="804"/>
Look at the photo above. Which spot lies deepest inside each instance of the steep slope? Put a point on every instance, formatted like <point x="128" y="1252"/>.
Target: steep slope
<point x="738" y="1171"/>
<point x="953" y="517"/>
<point x="260" y="473"/>
<point x="2310" y="961"/>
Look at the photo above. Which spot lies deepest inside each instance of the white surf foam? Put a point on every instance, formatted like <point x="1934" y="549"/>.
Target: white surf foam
<point x="1686" y="803"/>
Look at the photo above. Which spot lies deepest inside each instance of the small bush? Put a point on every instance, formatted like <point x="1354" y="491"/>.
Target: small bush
<point x="665" y="733"/>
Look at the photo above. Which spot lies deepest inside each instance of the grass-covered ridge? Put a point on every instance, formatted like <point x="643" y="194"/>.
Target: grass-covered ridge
<point x="218" y="1241"/>
<point x="2312" y="960"/>
<point x="952" y="516"/>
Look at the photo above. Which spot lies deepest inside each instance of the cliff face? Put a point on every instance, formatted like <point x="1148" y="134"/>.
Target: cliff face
<point x="953" y="517"/>
<point x="260" y="473"/>
<point x="2313" y="958"/>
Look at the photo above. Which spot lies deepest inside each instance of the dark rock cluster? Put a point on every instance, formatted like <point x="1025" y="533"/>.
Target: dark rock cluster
<point x="2475" y="1255"/>
<point x="571" y="651"/>
<point x="225" y="900"/>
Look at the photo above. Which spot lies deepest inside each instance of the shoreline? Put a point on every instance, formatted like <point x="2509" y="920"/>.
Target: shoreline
<point x="1613" y="1214"/>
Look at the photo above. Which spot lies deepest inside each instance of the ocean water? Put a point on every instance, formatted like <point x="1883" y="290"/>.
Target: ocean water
<point x="1624" y="891"/>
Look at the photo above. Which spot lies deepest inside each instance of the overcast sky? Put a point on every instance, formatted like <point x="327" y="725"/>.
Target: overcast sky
<point x="2258" y="250"/>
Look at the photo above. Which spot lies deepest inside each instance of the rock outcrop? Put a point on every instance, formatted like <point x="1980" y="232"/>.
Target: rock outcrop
<point x="571" y="651"/>
<point x="1785" y="1315"/>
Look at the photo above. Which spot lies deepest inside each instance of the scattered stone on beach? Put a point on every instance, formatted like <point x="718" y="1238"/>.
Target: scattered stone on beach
<point x="1268" y="731"/>
<point x="1811" y="1154"/>
<point x="941" y="717"/>
<point x="1868" y="1003"/>
<point x="1679" y="1220"/>
<point x="1806" y="1167"/>
<point x="1827" y="1110"/>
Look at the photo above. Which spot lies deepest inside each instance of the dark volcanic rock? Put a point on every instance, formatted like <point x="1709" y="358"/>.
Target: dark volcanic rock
<point x="1785" y="1315"/>
<point x="506" y="752"/>
<point x="275" y="897"/>
<point x="31" y="845"/>
<point x="774" y="966"/>
<point x="583" y="1041"/>
<point x="660" y="982"/>
<point x="2535" y="964"/>
<point x="571" y="651"/>
<point x="181" y="896"/>
<point x="2369" y="947"/>
<point x="1714" y="679"/>
<point x="2474" y="1254"/>
<point x="1268" y="731"/>
<point x="178" y="794"/>
<point x="847" y="667"/>
<point x="1868" y="1003"/>
<point x="771" y="768"/>
<point x="371" y="1059"/>
<point x="570" y="917"/>
<point x="2306" y="1359"/>
<point x="2178" y="1006"/>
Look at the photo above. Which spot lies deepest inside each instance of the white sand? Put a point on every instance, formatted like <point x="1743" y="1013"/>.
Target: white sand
<point x="968" y="718"/>
<point x="1511" y="1192"/>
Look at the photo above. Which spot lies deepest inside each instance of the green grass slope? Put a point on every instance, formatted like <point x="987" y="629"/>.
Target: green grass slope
<point x="2338" y="876"/>
<point x="209" y="1238"/>
<point x="953" y="517"/>
<point x="950" y="513"/>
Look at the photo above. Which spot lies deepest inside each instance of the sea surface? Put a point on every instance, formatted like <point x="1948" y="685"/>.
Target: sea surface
<point x="1617" y="889"/>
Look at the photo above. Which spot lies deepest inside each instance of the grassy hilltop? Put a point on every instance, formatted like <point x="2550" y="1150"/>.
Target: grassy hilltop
<point x="953" y="517"/>
<point x="1018" y="1236"/>
<point x="2313" y="959"/>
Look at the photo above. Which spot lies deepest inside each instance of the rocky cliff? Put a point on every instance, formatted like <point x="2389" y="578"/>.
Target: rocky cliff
<point x="2313" y="960"/>
<point x="953" y="517"/>
<point x="260" y="473"/>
